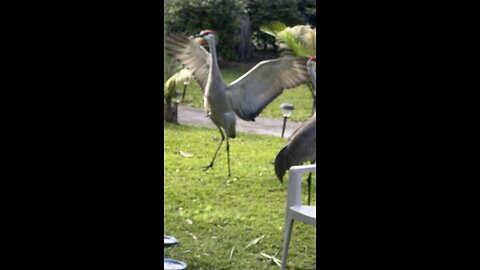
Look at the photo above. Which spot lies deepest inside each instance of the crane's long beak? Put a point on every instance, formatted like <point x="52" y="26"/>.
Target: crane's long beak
<point x="199" y="39"/>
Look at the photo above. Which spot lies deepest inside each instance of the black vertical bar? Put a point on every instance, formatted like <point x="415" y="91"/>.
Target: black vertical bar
<point x="284" y="122"/>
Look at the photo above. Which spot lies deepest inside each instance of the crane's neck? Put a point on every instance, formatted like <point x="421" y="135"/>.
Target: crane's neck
<point x="313" y="75"/>
<point x="214" y="69"/>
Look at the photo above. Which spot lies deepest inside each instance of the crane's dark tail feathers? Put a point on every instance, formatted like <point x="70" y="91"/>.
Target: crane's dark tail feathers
<point x="281" y="164"/>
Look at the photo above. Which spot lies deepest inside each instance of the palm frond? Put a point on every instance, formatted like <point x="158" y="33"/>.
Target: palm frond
<point x="169" y="88"/>
<point x="299" y="40"/>
<point x="273" y="28"/>
<point x="293" y="43"/>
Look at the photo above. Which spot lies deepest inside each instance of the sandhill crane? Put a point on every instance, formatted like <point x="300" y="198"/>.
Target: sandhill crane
<point x="302" y="144"/>
<point x="247" y="96"/>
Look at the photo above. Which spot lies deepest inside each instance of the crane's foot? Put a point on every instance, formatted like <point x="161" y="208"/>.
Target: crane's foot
<point x="208" y="167"/>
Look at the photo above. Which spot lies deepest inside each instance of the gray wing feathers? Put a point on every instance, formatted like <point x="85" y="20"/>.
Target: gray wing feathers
<point x="191" y="55"/>
<point x="252" y="92"/>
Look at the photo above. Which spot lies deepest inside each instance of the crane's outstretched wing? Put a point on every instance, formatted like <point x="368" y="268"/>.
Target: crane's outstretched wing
<point x="252" y="92"/>
<point x="301" y="147"/>
<point x="191" y="55"/>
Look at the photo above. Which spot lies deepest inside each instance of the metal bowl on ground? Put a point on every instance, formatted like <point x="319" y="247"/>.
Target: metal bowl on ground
<point x="169" y="264"/>
<point x="169" y="241"/>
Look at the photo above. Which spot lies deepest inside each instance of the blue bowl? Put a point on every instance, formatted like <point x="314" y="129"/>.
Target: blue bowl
<point x="169" y="241"/>
<point x="169" y="264"/>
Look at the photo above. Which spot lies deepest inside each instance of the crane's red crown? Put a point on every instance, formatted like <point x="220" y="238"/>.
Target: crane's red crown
<point x="206" y="32"/>
<point x="313" y="58"/>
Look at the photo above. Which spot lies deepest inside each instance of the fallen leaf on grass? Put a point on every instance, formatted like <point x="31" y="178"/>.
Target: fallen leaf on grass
<point x="193" y="236"/>
<point x="254" y="241"/>
<point x="265" y="255"/>
<point x="277" y="261"/>
<point x="185" y="154"/>
<point x="272" y="258"/>
<point x="231" y="252"/>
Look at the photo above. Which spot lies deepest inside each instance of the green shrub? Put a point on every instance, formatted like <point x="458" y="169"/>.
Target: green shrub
<point x="192" y="16"/>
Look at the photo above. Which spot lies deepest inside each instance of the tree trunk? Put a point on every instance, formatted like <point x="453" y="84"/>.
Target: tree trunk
<point x="245" y="46"/>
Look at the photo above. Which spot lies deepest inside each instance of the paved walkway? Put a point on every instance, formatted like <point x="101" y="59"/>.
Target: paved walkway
<point x="263" y="126"/>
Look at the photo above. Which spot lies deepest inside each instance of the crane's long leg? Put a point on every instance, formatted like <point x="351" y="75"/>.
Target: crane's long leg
<point x="216" y="152"/>
<point x="228" y="156"/>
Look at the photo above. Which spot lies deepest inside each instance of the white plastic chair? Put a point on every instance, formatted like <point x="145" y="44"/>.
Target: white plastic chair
<point x="295" y="208"/>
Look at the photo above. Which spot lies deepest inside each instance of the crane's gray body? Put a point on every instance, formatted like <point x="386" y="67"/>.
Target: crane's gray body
<point x="221" y="114"/>
<point x="300" y="148"/>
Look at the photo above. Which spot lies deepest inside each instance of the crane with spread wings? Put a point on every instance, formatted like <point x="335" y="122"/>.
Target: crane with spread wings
<point x="247" y="96"/>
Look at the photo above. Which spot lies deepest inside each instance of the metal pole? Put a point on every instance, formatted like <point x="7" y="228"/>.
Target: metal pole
<point x="184" y="88"/>
<point x="284" y="122"/>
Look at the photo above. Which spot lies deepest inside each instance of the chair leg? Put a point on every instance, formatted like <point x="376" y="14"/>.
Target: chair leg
<point x="286" y="241"/>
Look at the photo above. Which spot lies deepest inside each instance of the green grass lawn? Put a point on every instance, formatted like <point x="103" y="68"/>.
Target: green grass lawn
<point x="215" y="217"/>
<point x="300" y="97"/>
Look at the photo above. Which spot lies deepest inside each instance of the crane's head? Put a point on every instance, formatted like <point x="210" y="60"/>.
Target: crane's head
<point x="206" y="32"/>
<point x="205" y="35"/>
<point x="312" y="61"/>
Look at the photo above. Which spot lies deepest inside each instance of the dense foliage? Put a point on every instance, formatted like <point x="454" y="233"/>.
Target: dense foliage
<point x="227" y="16"/>
<point x="192" y="16"/>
